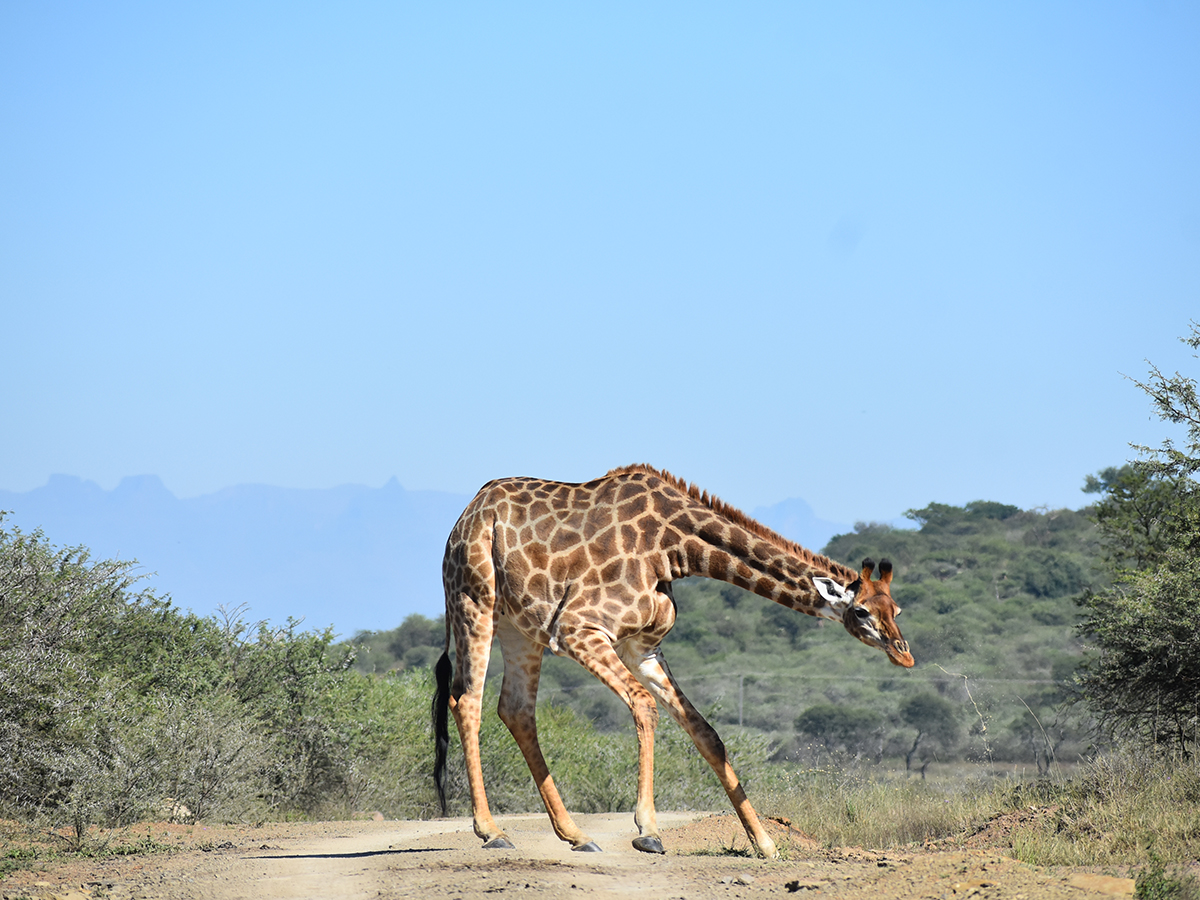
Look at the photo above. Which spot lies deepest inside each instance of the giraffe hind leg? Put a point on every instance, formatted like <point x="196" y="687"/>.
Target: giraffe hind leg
<point x="473" y="642"/>
<point x="517" y="709"/>
<point x="595" y="653"/>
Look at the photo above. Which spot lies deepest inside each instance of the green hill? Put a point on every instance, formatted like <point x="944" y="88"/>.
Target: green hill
<point x="988" y="597"/>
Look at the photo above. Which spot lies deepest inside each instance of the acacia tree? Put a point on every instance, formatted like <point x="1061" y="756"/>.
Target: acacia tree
<point x="1140" y="514"/>
<point x="112" y="699"/>
<point x="65" y="746"/>
<point x="1144" y="681"/>
<point x="1143" y="677"/>
<point x="841" y="728"/>
<point x="937" y="728"/>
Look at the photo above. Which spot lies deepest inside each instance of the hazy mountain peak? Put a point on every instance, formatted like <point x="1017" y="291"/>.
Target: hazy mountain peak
<point x="794" y="519"/>
<point x="352" y="556"/>
<point x="143" y="486"/>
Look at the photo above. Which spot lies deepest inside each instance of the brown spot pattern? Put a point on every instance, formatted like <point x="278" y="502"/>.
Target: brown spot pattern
<point x="585" y="569"/>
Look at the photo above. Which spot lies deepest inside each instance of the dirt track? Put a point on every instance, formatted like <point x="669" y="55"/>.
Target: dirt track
<point x="442" y="858"/>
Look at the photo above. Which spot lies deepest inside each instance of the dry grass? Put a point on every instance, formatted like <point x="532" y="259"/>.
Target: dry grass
<point x="1122" y="809"/>
<point x="843" y="808"/>
<point x="1125" y="808"/>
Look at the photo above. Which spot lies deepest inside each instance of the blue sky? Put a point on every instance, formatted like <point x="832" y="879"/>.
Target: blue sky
<point x="868" y="255"/>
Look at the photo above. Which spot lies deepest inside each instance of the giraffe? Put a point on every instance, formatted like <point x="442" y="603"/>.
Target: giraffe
<point x="586" y="571"/>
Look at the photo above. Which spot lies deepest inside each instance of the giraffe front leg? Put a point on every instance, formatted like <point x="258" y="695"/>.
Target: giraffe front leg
<point x="644" y="814"/>
<point x="651" y="670"/>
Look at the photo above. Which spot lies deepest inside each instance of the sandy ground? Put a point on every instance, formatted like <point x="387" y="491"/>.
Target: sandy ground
<point x="442" y="858"/>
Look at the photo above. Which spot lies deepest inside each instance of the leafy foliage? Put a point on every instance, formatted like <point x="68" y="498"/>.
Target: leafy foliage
<point x="988" y="591"/>
<point x="111" y="699"/>
<point x="1144" y="678"/>
<point x="1141" y="514"/>
<point x="1174" y="399"/>
<point x="936" y="724"/>
<point x="1144" y="681"/>
<point x="848" y="729"/>
<point x="115" y="706"/>
<point x="417" y="641"/>
<point x="60" y="746"/>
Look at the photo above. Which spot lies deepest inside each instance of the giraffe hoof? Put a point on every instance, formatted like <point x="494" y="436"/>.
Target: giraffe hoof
<point x="500" y="843"/>
<point x="589" y="847"/>
<point x="648" y="844"/>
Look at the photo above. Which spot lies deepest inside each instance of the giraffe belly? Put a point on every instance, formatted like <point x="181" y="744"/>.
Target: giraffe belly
<point x="533" y="618"/>
<point x="621" y="616"/>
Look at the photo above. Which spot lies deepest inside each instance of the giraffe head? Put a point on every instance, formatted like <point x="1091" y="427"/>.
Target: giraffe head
<point x="872" y="616"/>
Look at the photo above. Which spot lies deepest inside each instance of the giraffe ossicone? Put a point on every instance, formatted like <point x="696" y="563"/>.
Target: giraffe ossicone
<point x="586" y="571"/>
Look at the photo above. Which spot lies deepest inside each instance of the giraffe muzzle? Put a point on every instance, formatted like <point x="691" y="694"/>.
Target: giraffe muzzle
<point x="899" y="654"/>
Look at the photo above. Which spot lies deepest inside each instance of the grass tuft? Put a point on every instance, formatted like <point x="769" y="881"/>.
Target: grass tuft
<point x="1127" y="807"/>
<point x="854" y="808"/>
<point x="1154" y="882"/>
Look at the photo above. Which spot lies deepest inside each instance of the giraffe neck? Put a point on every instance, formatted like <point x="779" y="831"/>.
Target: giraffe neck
<point x="775" y="569"/>
<point x="704" y="536"/>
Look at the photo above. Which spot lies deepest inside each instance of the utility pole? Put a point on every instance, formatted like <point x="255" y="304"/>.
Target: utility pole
<point x="741" y="697"/>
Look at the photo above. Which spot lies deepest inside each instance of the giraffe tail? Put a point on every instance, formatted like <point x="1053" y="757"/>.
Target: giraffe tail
<point x="442" y="674"/>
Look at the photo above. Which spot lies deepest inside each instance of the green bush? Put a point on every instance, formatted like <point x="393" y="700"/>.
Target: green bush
<point x="111" y="700"/>
<point x="1143" y="677"/>
<point x="853" y="730"/>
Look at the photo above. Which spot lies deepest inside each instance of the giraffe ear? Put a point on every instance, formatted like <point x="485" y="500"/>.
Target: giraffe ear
<point x="835" y="595"/>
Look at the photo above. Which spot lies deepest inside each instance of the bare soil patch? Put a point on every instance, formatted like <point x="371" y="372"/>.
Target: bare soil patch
<point x="442" y="858"/>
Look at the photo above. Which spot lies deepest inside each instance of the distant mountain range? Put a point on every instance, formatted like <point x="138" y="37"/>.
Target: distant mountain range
<point x="354" y="557"/>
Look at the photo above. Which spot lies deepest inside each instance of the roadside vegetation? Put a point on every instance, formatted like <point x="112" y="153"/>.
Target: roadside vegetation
<point x="1056" y="691"/>
<point x="988" y="593"/>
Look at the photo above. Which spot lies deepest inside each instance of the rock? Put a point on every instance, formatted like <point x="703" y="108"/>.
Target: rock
<point x="738" y="879"/>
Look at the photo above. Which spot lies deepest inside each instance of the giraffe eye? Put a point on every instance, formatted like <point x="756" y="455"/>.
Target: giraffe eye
<point x="862" y="612"/>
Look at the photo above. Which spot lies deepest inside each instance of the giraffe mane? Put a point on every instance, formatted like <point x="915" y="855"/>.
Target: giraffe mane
<point x="723" y="509"/>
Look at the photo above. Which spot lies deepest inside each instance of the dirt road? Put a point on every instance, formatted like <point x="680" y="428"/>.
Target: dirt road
<point x="442" y="858"/>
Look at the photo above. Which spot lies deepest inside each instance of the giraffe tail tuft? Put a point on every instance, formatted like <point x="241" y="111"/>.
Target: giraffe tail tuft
<point x="442" y="673"/>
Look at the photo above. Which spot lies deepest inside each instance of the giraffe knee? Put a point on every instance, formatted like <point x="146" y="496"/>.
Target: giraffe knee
<point x="507" y="712"/>
<point x="515" y="715"/>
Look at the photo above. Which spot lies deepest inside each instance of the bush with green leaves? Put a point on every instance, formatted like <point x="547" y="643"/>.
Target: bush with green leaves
<point x="69" y="747"/>
<point x="846" y="729"/>
<point x="416" y="642"/>
<point x="1142" y="678"/>
<point x="937" y="728"/>
<point x="112" y="699"/>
